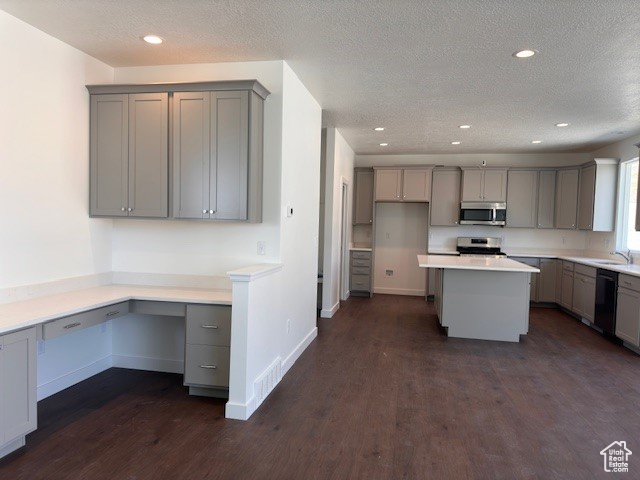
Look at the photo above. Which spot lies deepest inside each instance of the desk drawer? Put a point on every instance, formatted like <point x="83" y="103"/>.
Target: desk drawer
<point x="72" y="323"/>
<point x="206" y="366"/>
<point x="361" y="270"/>
<point x="208" y="325"/>
<point x="361" y="255"/>
<point x="361" y="283"/>
<point x="360" y="263"/>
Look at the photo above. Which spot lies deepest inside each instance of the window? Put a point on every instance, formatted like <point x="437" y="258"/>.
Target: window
<point x="627" y="237"/>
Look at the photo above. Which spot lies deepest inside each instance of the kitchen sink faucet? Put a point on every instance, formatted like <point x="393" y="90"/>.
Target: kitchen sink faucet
<point x="627" y="256"/>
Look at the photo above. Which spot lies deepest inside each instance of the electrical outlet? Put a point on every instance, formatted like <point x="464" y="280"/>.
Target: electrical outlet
<point x="388" y="272"/>
<point x="262" y="248"/>
<point x="288" y="325"/>
<point x="40" y="344"/>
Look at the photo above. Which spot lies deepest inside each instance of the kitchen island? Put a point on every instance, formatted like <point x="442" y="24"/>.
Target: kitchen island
<point x="481" y="297"/>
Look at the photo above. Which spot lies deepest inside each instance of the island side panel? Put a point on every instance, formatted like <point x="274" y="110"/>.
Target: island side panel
<point x="486" y="305"/>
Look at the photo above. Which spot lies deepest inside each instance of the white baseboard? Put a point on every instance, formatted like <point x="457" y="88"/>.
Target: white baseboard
<point x="302" y="346"/>
<point x="12" y="446"/>
<point x="399" y="291"/>
<point x="238" y="411"/>
<point x="147" y="363"/>
<point x="65" y="381"/>
<point x="328" y="313"/>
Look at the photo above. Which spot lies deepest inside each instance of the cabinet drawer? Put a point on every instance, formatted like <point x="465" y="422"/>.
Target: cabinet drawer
<point x="360" y="283"/>
<point x="361" y="270"/>
<point x="585" y="270"/>
<point x="72" y="323"/>
<point x="206" y="365"/>
<point x="360" y="263"/>
<point x="630" y="282"/>
<point x="567" y="266"/>
<point x="361" y="255"/>
<point x="208" y="325"/>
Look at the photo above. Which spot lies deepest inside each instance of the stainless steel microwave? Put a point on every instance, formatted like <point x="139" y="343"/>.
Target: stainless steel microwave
<point x="483" y="213"/>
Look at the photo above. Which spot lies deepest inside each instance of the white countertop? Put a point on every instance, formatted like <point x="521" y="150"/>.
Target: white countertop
<point x="474" y="263"/>
<point x="26" y="313"/>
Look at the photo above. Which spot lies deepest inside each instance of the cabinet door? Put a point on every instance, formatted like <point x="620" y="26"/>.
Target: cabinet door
<point x="522" y="192"/>
<point x="546" y="198"/>
<point x="108" y="155"/>
<point x="566" y="298"/>
<point x="547" y="280"/>
<point x="416" y="185"/>
<point x="445" y="198"/>
<point x="586" y="198"/>
<point x="363" y="204"/>
<point x="495" y="186"/>
<point x="559" y="273"/>
<point x="148" y="159"/>
<point x="17" y="384"/>
<point x="191" y="132"/>
<point x="472" y="185"/>
<point x="628" y="316"/>
<point x="566" y="198"/>
<point x="229" y="155"/>
<point x="388" y="185"/>
<point x="533" y="283"/>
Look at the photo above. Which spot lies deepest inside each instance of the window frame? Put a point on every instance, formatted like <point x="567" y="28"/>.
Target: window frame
<point x="622" y="220"/>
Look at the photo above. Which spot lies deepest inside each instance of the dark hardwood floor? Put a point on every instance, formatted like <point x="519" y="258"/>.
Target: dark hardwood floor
<point x="381" y="394"/>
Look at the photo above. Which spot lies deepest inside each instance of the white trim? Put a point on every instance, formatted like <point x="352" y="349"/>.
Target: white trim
<point x="69" y="379"/>
<point x="253" y="272"/>
<point x="400" y="291"/>
<point x="12" y="446"/>
<point x="330" y="312"/>
<point x="302" y="346"/>
<point x="148" y="363"/>
<point x="238" y="411"/>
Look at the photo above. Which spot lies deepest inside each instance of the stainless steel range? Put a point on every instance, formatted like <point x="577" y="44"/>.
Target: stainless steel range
<point x="480" y="247"/>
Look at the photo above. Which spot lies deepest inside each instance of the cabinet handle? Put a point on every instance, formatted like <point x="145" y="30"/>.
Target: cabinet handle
<point x="123" y="209"/>
<point x="209" y="326"/>
<point x="205" y="211"/>
<point x="210" y="367"/>
<point x="370" y="221"/>
<point x="72" y="325"/>
<point x="129" y="209"/>
<point x="628" y="284"/>
<point x="212" y="211"/>
<point x="111" y="314"/>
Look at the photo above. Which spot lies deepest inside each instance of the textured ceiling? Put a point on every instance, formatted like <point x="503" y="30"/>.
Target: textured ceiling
<point x="419" y="68"/>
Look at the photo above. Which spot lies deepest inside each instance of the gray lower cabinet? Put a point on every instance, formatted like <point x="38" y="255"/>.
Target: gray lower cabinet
<point x="79" y="321"/>
<point x="360" y="273"/>
<point x="628" y="310"/>
<point x="584" y="291"/>
<point x="217" y="155"/>
<point x="17" y="385"/>
<point x="208" y="338"/>
<point x="547" y="280"/>
<point x="129" y="155"/>
<point x="533" y="282"/>
<point x="566" y="288"/>
<point x="445" y="197"/>
<point x="566" y="204"/>
<point x="363" y="196"/>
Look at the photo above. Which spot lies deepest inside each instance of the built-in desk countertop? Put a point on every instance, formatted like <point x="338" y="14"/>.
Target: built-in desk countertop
<point x="27" y="313"/>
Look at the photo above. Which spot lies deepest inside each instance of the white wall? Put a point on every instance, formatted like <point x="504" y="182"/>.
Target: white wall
<point x="44" y="144"/>
<point x="339" y="169"/>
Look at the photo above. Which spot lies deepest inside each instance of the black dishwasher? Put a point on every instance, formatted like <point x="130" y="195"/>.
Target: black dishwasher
<point x="606" y="295"/>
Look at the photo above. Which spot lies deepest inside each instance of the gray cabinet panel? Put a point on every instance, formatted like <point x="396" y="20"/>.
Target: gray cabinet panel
<point x="109" y="155"/>
<point x="566" y="198"/>
<point x="445" y="198"/>
<point x="546" y="198"/>
<point x="472" y="185"/>
<point x="208" y="325"/>
<point x="148" y="155"/>
<point x="228" y="173"/>
<point x="388" y="185"/>
<point x="586" y="197"/>
<point x="79" y="321"/>
<point x="416" y="185"/>
<point x="191" y="131"/>
<point x="533" y="280"/>
<point x="522" y="193"/>
<point x="584" y="295"/>
<point x="547" y="280"/>
<point x="598" y="192"/>
<point x="494" y="186"/>
<point x="628" y="316"/>
<point x="363" y="195"/>
<point x="18" y="384"/>
<point x="206" y="366"/>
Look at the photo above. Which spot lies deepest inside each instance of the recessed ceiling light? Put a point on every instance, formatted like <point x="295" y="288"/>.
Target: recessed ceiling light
<point x="564" y="124"/>
<point x="536" y="141"/>
<point x="384" y="144"/>
<point x="456" y="143"/>
<point x="526" y="53"/>
<point x="379" y="129"/>
<point x="152" y="39"/>
<point x="464" y="126"/>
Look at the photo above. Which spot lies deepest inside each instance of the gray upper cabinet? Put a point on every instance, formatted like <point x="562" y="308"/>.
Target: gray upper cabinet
<point x="566" y="198"/>
<point x="128" y="155"/>
<point x="217" y="141"/>
<point x="416" y="184"/>
<point x="363" y="197"/>
<point x="484" y="185"/>
<point x="388" y="185"/>
<point x="546" y="198"/>
<point x="597" y="198"/>
<point x="445" y="197"/>
<point x="17" y="385"/>
<point x="522" y="195"/>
